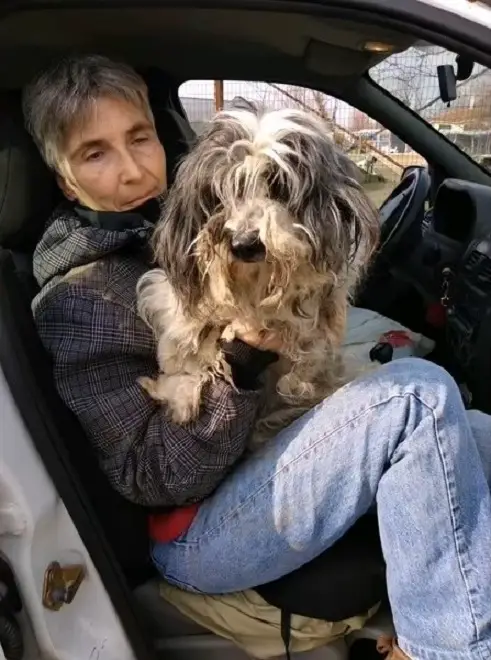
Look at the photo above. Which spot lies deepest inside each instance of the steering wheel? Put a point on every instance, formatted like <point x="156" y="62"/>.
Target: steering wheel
<point x="402" y="209"/>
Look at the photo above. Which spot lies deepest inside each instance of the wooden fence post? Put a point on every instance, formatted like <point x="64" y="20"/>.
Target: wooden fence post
<point x="218" y="95"/>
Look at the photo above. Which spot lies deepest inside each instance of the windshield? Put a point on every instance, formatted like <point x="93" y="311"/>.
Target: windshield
<point x="412" y="78"/>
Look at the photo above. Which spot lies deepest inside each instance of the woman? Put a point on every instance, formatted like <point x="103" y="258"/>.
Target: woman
<point x="400" y="437"/>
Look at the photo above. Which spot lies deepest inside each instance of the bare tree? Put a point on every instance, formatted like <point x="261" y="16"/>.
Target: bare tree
<point x="310" y="99"/>
<point x="320" y="104"/>
<point x="344" y="137"/>
<point x="300" y="96"/>
<point x="407" y="75"/>
<point x="360" y="121"/>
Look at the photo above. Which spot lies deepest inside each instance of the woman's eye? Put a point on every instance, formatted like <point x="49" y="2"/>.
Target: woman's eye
<point x="141" y="139"/>
<point x="94" y="156"/>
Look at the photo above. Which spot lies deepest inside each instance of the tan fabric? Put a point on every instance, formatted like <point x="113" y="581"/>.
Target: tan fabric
<point x="254" y="625"/>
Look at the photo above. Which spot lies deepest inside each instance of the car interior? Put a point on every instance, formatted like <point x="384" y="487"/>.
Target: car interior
<point x="435" y="246"/>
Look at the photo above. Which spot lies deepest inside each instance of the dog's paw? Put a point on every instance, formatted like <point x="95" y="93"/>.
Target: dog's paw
<point x="151" y="387"/>
<point x="181" y="394"/>
<point x="184" y="413"/>
<point x="294" y="389"/>
<point x="229" y="333"/>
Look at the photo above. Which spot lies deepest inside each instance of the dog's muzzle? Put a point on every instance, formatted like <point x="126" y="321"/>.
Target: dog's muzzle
<point x="247" y="246"/>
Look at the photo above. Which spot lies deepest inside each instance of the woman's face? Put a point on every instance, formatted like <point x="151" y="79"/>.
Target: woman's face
<point x="114" y="160"/>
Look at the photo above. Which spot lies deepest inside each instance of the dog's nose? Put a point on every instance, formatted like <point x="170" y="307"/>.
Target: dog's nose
<point x="247" y="246"/>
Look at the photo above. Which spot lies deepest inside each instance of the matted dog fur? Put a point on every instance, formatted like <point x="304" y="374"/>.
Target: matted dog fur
<point x="265" y="227"/>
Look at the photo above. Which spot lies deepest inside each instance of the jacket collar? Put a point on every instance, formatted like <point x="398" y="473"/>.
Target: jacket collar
<point x="120" y="221"/>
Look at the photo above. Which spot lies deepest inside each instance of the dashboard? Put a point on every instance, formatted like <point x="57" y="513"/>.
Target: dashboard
<point x="447" y="259"/>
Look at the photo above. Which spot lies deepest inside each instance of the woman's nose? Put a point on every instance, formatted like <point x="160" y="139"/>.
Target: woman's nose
<point x="130" y="168"/>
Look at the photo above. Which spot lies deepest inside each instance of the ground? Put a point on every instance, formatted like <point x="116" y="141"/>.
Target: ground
<point x="379" y="191"/>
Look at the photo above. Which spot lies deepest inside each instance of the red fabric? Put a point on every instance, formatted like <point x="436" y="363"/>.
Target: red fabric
<point x="165" y="527"/>
<point x="396" y="338"/>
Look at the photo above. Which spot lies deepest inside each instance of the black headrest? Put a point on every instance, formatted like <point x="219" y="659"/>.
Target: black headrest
<point x="28" y="192"/>
<point x="26" y="185"/>
<point x="173" y="128"/>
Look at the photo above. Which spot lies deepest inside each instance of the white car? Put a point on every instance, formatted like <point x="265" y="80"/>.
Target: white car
<point x="75" y="576"/>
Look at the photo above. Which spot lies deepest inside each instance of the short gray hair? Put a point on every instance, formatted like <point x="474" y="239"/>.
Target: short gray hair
<point x="63" y="94"/>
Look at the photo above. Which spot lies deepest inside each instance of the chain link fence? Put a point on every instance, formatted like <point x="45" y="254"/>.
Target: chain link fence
<point x="379" y="154"/>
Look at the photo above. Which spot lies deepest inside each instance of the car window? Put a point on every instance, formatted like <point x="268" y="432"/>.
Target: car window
<point x="380" y="156"/>
<point x="412" y="77"/>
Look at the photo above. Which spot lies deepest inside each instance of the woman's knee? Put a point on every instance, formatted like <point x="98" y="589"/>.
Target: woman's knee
<point x="415" y="368"/>
<point x="428" y="381"/>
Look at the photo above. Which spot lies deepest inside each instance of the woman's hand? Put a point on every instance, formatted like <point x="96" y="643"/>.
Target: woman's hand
<point x="264" y="340"/>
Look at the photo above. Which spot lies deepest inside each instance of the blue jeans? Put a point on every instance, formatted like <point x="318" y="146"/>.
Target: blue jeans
<point x="399" y="438"/>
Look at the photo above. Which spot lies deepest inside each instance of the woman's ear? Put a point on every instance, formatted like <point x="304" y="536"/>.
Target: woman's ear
<point x="66" y="188"/>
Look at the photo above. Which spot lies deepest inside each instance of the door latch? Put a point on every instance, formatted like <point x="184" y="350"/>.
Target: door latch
<point x="61" y="584"/>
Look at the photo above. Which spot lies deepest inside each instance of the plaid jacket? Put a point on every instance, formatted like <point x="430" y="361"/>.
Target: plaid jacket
<point x="86" y="316"/>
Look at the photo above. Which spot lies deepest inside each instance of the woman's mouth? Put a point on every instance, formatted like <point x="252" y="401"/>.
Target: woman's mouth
<point x="138" y="201"/>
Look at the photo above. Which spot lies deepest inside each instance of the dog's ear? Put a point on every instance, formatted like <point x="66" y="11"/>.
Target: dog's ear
<point x="359" y="214"/>
<point x="195" y="200"/>
<point x="173" y="242"/>
<point x="344" y="223"/>
<point x="321" y="187"/>
<point x="186" y="210"/>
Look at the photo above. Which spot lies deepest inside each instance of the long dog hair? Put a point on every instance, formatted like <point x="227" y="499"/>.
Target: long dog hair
<point x="266" y="227"/>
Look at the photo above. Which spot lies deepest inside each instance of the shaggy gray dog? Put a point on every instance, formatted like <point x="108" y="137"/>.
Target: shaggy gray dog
<point x="266" y="227"/>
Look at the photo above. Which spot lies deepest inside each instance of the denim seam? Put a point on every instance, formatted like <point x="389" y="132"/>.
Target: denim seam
<point x="322" y="439"/>
<point x="460" y="548"/>
<point x="417" y="653"/>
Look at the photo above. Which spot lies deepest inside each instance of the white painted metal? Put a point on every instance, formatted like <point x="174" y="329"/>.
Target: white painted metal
<point x="477" y="12"/>
<point x="35" y="529"/>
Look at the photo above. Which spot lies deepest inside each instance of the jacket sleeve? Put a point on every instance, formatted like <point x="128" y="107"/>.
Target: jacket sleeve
<point x="99" y="349"/>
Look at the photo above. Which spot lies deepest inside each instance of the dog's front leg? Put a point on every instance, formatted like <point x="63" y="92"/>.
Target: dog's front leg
<point x="297" y="386"/>
<point x="179" y="393"/>
<point x="187" y="363"/>
<point x="184" y="349"/>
